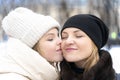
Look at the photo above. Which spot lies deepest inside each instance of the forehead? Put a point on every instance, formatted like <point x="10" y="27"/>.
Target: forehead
<point x="52" y="31"/>
<point x="71" y="29"/>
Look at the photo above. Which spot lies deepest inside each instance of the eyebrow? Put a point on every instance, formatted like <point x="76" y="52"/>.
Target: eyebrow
<point x="73" y="31"/>
<point x="76" y="31"/>
<point x="49" y="34"/>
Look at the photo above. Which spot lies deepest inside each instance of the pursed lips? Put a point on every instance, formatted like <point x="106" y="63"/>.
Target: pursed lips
<point x="59" y="50"/>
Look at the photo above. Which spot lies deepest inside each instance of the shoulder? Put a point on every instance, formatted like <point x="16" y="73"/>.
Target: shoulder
<point x="117" y="76"/>
<point x="3" y="47"/>
<point x="12" y="76"/>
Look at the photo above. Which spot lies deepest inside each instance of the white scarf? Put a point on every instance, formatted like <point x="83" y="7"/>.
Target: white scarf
<point x="27" y="62"/>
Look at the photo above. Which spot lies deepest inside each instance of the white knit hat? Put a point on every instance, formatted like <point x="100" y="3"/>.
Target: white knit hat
<point x="27" y="25"/>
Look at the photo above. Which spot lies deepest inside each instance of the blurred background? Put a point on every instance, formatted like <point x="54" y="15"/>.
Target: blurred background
<point x="107" y="10"/>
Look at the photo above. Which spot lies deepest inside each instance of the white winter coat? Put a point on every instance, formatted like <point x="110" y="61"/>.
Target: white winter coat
<point x="19" y="62"/>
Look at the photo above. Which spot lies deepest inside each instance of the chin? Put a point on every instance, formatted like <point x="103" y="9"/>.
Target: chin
<point x="59" y="60"/>
<point x="69" y="59"/>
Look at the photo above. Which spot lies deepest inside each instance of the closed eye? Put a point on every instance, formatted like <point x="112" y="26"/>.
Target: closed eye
<point x="79" y="36"/>
<point x="49" y="39"/>
<point x="64" y="38"/>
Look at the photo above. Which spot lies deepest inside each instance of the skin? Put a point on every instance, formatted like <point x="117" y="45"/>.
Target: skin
<point x="76" y="45"/>
<point x="49" y="46"/>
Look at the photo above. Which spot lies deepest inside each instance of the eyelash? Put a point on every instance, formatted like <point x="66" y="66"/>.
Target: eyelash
<point x="50" y="40"/>
<point x="76" y="37"/>
<point x="63" y="37"/>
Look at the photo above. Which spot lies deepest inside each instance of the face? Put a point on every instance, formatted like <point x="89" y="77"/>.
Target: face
<point x="49" y="46"/>
<point x="76" y="45"/>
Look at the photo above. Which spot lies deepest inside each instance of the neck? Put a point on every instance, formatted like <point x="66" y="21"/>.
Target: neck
<point x="79" y="64"/>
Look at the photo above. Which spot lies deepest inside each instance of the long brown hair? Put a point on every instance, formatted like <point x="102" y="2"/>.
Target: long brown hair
<point x="92" y="59"/>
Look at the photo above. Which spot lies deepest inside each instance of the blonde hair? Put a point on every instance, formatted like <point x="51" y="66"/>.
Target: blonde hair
<point x="92" y="59"/>
<point x="35" y="47"/>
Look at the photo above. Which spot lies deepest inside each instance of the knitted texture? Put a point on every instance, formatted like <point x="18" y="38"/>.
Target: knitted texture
<point x="27" y="26"/>
<point x="91" y="25"/>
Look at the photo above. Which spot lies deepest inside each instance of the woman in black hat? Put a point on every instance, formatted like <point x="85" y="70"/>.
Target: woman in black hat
<point x="83" y="36"/>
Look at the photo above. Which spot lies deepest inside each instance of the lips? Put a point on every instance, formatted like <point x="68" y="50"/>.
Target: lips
<point x="70" y="49"/>
<point x="59" y="50"/>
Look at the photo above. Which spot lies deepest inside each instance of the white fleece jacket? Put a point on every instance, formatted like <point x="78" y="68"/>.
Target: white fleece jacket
<point x="19" y="62"/>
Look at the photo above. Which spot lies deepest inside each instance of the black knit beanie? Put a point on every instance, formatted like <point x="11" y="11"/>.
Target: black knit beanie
<point x="91" y="25"/>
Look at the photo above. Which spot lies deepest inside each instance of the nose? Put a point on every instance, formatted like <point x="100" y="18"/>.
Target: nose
<point x="69" y="40"/>
<point x="59" y="41"/>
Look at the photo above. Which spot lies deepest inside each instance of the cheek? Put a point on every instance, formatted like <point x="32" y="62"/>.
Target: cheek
<point x="46" y="54"/>
<point x="42" y="50"/>
<point x="47" y="50"/>
<point x="50" y="47"/>
<point x="86" y="48"/>
<point x="62" y="45"/>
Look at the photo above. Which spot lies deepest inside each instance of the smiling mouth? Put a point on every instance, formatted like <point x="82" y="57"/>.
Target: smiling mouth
<point x="70" y="49"/>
